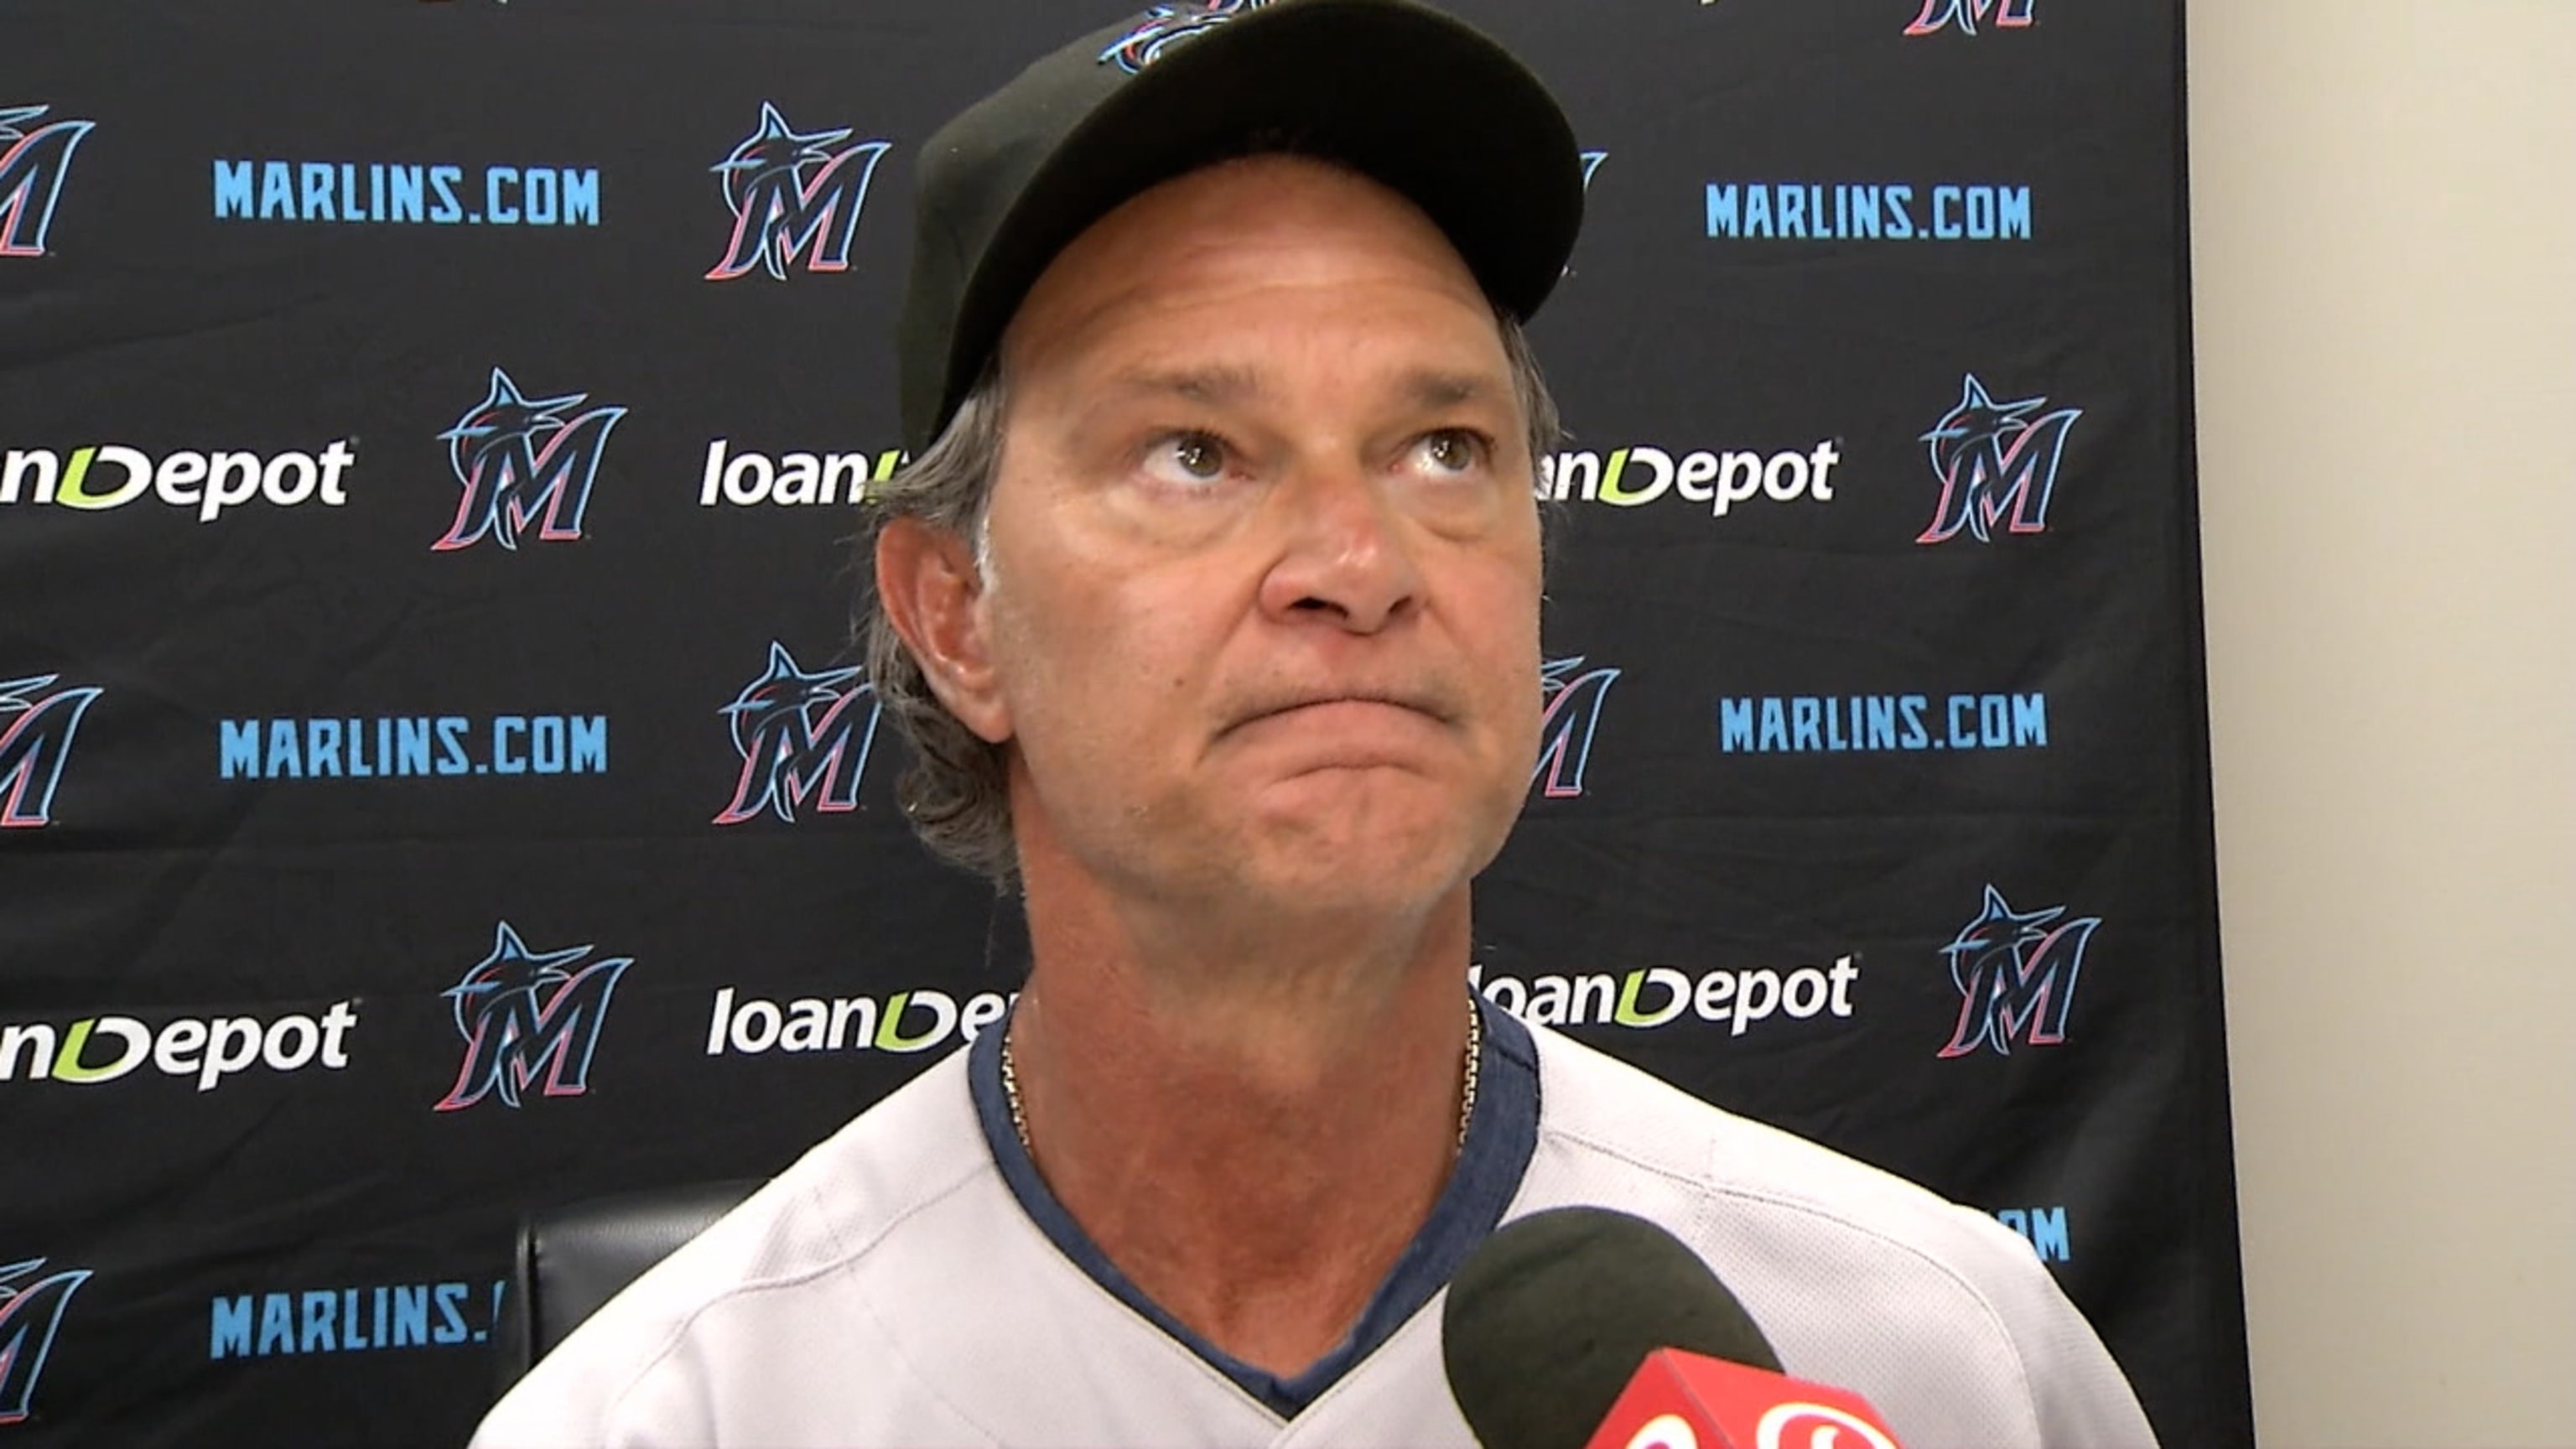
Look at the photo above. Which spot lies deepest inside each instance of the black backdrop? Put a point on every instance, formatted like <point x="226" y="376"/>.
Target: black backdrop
<point x="470" y="806"/>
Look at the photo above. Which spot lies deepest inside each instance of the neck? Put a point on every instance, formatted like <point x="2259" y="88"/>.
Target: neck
<point x="1252" y="1131"/>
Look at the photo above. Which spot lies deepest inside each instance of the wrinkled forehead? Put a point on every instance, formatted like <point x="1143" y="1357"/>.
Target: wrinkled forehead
<point x="1271" y="220"/>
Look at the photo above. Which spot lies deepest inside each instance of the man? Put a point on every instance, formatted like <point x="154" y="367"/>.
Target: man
<point x="1211" y="610"/>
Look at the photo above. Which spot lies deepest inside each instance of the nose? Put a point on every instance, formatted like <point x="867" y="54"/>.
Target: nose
<point x="1346" y="560"/>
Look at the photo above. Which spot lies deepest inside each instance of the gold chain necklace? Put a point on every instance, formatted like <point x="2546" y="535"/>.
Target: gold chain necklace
<point x="1466" y="1094"/>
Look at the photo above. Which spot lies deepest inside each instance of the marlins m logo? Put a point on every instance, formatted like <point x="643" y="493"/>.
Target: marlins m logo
<point x="1996" y="463"/>
<point x="529" y="1017"/>
<point x="1942" y="14"/>
<point x="2016" y="975"/>
<point x="1573" y="712"/>
<point x="520" y="461"/>
<point x="36" y="730"/>
<point x="801" y="738"/>
<point x="30" y="1312"/>
<point x="793" y="193"/>
<point x="32" y="169"/>
<point x="1163" y="26"/>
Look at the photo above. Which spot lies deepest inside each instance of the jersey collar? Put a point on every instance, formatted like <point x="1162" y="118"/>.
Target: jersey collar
<point x="1501" y="1137"/>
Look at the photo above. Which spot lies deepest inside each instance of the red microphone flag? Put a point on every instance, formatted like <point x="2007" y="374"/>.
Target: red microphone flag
<point x="1680" y="1400"/>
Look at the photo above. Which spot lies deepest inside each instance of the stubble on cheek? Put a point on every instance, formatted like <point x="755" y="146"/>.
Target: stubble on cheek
<point x="1097" y="720"/>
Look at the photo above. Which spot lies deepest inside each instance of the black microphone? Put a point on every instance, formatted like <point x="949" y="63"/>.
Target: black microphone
<point x="1551" y="1318"/>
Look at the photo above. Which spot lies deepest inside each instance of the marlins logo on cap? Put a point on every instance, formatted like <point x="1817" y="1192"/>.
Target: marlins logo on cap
<point x="1165" y="26"/>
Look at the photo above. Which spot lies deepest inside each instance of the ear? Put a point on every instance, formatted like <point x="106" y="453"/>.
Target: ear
<point x="932" y="594"/>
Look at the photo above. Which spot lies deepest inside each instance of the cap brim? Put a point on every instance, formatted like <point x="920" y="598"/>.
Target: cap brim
<point x="1417" y="100"/>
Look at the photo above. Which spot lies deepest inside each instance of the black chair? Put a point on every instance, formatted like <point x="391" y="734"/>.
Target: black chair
<point x="570" y="1260"/>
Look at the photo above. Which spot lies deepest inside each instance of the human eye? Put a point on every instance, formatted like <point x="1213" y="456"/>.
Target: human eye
<point x="1189" y="459"/>
<point x="1450" y="452"/>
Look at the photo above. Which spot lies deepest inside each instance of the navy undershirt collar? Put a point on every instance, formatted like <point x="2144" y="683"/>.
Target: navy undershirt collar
<point x="1501" y="1137"/>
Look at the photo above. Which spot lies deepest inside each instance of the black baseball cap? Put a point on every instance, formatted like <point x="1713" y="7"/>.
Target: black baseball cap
<point x="1416" y="99"/>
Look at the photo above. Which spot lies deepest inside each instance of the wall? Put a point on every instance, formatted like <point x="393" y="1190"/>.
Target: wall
<point x="2384" y="250"/>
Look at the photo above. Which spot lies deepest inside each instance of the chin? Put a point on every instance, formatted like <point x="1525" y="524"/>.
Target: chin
<point x="1367" y="862"/>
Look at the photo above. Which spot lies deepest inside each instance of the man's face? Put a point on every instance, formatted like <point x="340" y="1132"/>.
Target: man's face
<point x="1263" y="607"/>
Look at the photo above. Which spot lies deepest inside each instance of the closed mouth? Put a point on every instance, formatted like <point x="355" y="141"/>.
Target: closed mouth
<point x="1290" y="706"/>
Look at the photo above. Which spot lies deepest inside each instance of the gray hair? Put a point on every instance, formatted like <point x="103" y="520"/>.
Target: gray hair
<point x="957" y="791"/>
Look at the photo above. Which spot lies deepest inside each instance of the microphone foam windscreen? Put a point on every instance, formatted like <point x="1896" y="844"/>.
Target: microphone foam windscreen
<point x="1549" y="1319"/>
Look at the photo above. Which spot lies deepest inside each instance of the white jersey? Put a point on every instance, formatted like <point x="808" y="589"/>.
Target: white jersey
<point x="900" y="1285"/>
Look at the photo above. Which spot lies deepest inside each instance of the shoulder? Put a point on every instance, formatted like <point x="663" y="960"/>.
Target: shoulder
<point x="683" y="1351"/>
<point x="1859" y="1277"/>
<point x="1608" y="1116"/>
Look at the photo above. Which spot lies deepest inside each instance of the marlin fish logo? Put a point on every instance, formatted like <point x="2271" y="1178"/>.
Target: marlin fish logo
<point x="802" y="739"/>
<point x="36" y="731"/>
<point x="1996" y="463"/>
<point x="1573" y="712"/>
<point x="1591" y="162"/>
<point x="31" y="1312"/>
<point x="793" y="193"/>
<point x="1163" y="26"/>
<point x="2016" y="973"/>
<point x="519" y="461"/>
<point x="33" y="163"/>
<point x="1965" y="14"/>
<point x="529" y="1017"/>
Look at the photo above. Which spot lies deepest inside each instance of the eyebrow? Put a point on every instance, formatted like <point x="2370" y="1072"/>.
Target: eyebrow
<point x="1198" y="384"/>
<point x="1429" y="389"/>
<point x="1423" y="387"/>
